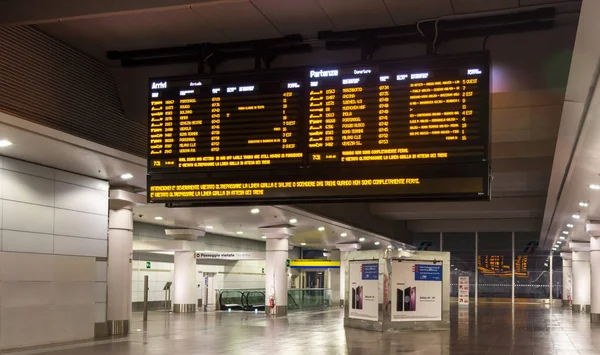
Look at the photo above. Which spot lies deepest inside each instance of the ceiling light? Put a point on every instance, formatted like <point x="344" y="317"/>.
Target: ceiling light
<point x="593" y="186"/>
<point x="302" y="243"/>
<point x="390" y="247"/>
<point x="576" y="216"/>
<point x="293" y="220"/>
<point x="158" y="218"/>
<point x="376" y="243"/>
<point x="126" y="176"/>
<point x="554" y="249"/>
<point x="399" y="249"/>
<point x="209" y="227"/>
<point x="344" y="234"/>
<point x="562" y="238"/>
<point x="264" y="237"/>
<point x="565" y="232"/>
<point x="240" y="232"/>
<point x="569" y="225"/>
<point x="545" y="264"/>
<point x="583" y="204"/>
<point x="254" y="210"/>
<point x="321" y="229"/>
<point x="558" y="242"/>
<point x="361" y="239"/>
<point x="556" y="245"/>
<point x="5" y="143"/>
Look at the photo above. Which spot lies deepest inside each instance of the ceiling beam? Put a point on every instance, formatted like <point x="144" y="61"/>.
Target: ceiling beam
<point x="474" y="225"/>
<point x="28" y="12"/>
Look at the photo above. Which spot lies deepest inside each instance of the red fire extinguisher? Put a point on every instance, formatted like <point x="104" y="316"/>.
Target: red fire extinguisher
<point x="271" y="302"/>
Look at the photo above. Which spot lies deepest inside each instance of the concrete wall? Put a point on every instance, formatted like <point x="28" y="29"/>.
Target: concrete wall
<point x="53" y="227"/>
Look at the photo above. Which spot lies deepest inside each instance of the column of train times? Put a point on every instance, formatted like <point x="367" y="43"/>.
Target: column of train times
<point x="322" y="120"/>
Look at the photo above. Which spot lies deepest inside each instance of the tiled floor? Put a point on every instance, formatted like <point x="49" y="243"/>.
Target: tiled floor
<point x="489" y="329"/>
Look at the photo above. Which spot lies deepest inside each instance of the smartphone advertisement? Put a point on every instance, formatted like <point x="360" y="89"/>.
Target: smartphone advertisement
<point x="416" y="291"/>
<point x="364" y="290"/>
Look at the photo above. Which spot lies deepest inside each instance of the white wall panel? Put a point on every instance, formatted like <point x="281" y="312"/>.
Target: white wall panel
<point x="79" y="246"/>
<point x="28" y="168"/>
<point x="100" y="292"/>
<point x="73" y="293"/>
<point x="81" y="180"/>
<point x="26" y="326"/>
<point x="73" y="268"/>
<point x="26" y="267"/>
<point x="27" y="188"/>
<point x="73" y="322"/>
<point x="27" y="218"/>
<point x="77" y="198"/>
<point x="101" y="271"/>
<point x="100" y="312"/>
<point x="25" y="294"/>
<point x="80" y="224"/>
<point x="26" y="242"/>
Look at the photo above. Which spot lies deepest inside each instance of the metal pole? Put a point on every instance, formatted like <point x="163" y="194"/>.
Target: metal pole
<point x="146" y="298"/>
<point x="512" y="297"/>
<point x="476" y="267"/>
<point x="551" y="270"/>
<point x="441" y="241"/>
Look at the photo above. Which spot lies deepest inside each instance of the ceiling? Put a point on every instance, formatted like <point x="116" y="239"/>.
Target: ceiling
<point x="577" y="161"/>
<point x="44" y="146"/>
<point x="525" y="115"/>
<point x="98" y="26"/>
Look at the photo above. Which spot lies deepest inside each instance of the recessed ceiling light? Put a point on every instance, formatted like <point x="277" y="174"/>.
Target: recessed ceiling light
<point x="376" y="243"/>
<point x="344" y="234"/>
<point x="565" y="232"/>
<point x="302" y="243"/>
<point x="583" y="204"/>
<point x="321" y="229"/>
<point x="293" y="220"/>
<point x="558" y="242"/>
<point x="561" y="238"/>
<point x="545" y="264"/>
<point x="592" y="186"/>
<point x="254" y="211"/>
<point x="399" y="249"/>
<point x="264" y="237"/>
<point x="554" y="249"/>
<point x="209" y="227"/>
<point x="556" y="245"/>
<point x="361" y="239"/>
<point x="158" y="218"/>
<point x="5" y="143"/>
<point x="239" y="232"/>
<point x="126" y="176"/>
<point x="576" y="216"/>
<point x="569" y="225"/>
<point x="390" y="247"/>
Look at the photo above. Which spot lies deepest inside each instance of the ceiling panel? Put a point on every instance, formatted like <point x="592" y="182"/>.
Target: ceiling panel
<point x="152" y="29"/>
<point x="237" y="21"/>
<point x="467" y="6"/>
<point x="292" y="16"/>
<point x="406" y="12"/>
<point x="355" y="14"/>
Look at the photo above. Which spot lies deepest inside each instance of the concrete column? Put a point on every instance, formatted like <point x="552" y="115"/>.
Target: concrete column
<point x="184" y="282"/>
<point x="595" y="279"/>
<point x="276" y="275"/>
<point x="581" y="280"/>
<point x="567" y="278"/>
<point x="334" y="280"/>
<point x="120" y="255"/>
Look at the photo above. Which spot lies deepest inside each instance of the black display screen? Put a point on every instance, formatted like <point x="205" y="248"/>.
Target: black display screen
<point x="414" y="129"/>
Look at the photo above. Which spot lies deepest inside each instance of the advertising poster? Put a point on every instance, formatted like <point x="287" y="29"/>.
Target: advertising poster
<point x="364" y="290"/>
<point x="416" y="291"/>
<point x="463" y="290"/>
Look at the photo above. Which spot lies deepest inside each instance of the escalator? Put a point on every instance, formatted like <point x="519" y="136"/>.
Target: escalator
<point x="231" y="300"/>
<point x="253" y="300"/>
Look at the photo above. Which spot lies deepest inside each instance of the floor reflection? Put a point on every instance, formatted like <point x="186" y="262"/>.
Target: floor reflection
<point x="488" y="329"/>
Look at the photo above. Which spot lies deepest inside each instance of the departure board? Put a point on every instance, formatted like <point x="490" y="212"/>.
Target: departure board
<point x="414" y="129"/>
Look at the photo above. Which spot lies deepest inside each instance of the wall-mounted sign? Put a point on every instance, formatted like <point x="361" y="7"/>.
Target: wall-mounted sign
<point x="148" y="265"/>
<point x="364" y="290"/>
<point x="314" y="264"/>
<point x="231" y="255"/>
<point x="416" y="291"/>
